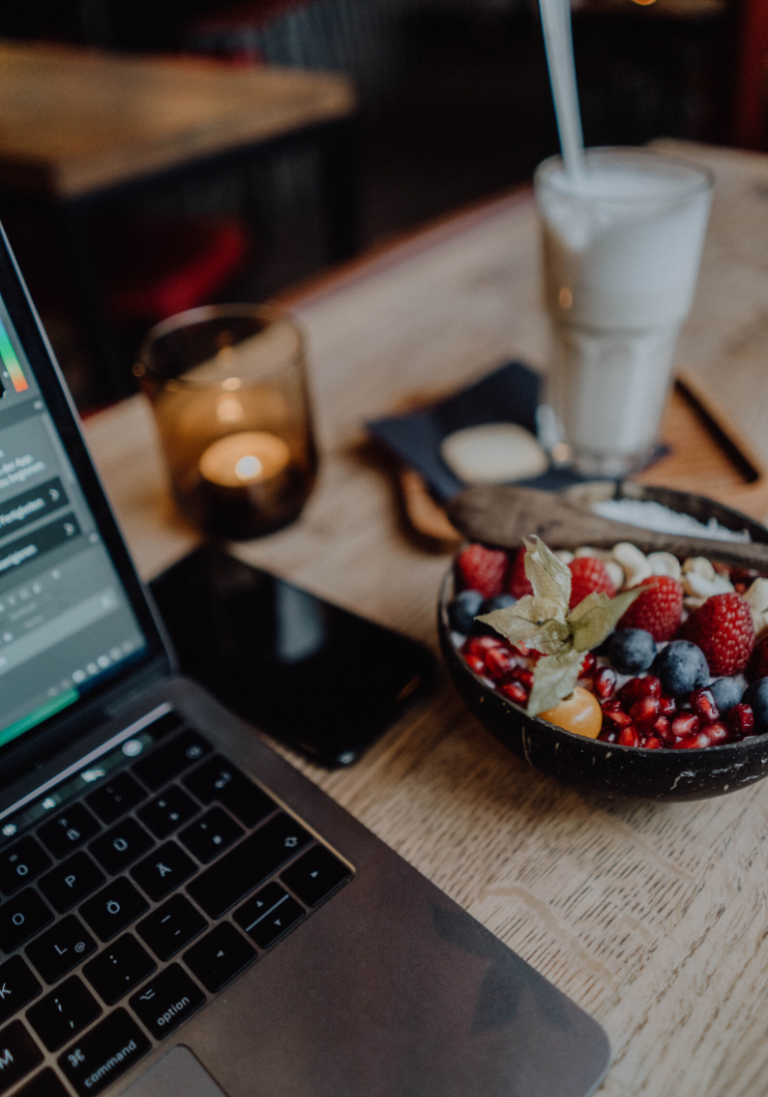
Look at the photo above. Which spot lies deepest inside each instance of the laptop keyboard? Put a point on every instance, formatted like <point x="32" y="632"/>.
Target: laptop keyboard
<point x="131" y="906"/>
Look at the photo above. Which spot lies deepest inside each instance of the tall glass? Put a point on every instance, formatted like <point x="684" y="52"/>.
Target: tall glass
<point x="621" y="257"/>
<point x="228" y="389"/>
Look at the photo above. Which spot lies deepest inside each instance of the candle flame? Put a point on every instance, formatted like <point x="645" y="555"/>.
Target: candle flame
<point x="248" y="468"/>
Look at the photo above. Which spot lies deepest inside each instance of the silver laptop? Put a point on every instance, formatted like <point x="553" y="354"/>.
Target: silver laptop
<point x="181" y="912"/>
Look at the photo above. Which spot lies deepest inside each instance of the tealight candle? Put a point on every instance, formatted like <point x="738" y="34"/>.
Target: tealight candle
<point x="239" y="370"/>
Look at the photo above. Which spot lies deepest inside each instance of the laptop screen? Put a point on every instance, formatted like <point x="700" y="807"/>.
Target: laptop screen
<point x="66" y="623"/>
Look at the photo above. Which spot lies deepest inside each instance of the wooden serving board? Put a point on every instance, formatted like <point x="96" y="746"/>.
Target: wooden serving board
<point x="708" y="455"/>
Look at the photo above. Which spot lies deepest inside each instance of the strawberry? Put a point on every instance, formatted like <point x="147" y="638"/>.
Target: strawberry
<point x="482" y="569"/>
<point x="723" y="629"/>
<point x="658" y="610"/>
<point x="518" y="583"/>
<point x="588" y="574"/>
<point x="758" y="664"/>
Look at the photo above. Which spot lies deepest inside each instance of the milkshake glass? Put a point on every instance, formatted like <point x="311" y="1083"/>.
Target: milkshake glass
<point x="621" y="255"/>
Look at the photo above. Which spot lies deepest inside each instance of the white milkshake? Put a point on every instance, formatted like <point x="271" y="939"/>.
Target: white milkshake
<point x="622" y="247"/>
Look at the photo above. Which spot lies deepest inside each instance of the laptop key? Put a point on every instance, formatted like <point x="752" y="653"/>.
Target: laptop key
<point x="119" y="969"/>
<point x="211" y="835"/>
<point x="63" y="1013"/>
<point x="19" y="1054"/>
<point x="104" y="1054"/>
<point x="21" y="918"/>
<point x="121" y="846"/>
<point x="218" y="780"/>
<point x="112" y="800"/>
<point x="17" y="987"/>
<point x="246" y="866"/>
<point x="166" y="1001"/>
<point x="168" y="761"/>
<point x="60" y="948"/>
<point x="71" y="881"/>
<point x="68" y="830"/>
<point x="315" y="874"/>
<point x="163" y="871"/>
<point x="20" y="864"/>
<point x="171" y="927"/>
<point x="268" y="915"/>
<point x="44" y="1084"/>
<point x="168" y="811"/>
<point x="114" y="908"/>
<point x="220" y="955"/>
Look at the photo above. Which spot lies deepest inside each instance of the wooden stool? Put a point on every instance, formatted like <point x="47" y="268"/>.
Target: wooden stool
<point x="84" y="129"/>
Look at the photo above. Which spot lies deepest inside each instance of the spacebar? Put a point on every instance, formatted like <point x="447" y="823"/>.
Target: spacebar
<point x="247" y="865"/>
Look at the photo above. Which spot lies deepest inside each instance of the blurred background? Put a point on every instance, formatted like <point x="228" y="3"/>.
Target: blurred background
<point x="454" y="107"/>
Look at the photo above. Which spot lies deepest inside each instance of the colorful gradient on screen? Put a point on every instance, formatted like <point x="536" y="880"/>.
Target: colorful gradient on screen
<point x="11" y="362"/>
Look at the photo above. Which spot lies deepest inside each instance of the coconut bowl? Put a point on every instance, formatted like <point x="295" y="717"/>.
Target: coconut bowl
<point x="608" y="768"/>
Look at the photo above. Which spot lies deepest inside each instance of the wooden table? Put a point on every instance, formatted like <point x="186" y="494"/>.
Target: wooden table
<point x="652" y="917"/>
<point x="82" y="128"/>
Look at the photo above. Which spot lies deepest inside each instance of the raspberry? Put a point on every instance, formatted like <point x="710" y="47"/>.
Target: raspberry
<point x="518" y="583"/>
<point x="758" y="664"/>
<point x="483" y="569"/>
<point x="588" y="574"/>
<point x="658" y="610"/>
<point x="723" y="629"/>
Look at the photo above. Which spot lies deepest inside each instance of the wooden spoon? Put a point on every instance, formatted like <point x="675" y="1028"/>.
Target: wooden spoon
<point x="504" y="515"/>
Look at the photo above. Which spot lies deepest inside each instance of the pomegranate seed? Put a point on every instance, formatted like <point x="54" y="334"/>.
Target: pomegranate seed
<point x="605" y="683"/>
<point x="740" y="588"/>
<point x="717" y="732"/>
<point x="693" y="742"/>
<point x="741" y="721"/>
<point x="629" y="737"/>
<point x="588" y="664"/>
<point x="480" y="645"/>
<point x="652" y="743"/>
<point x="475" y="663"/>
<point x="499" y="662"/>
<point x="516" y="692"/>
<point x="524" y="676"/>
<point x="631" y="691"/>
<point x="685" y="724"/>
<point x="703" y="704"/>
<point x="663" y="729"/>
<point x="667" y="705"/>
<point x="617" y="715"/>
<point x="645" y="711"/>
<point x="608" y="736"/>
<point x="650" y="686"/>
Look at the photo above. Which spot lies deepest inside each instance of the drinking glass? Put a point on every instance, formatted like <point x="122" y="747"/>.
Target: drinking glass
<point x="228" y="388"/>
<point x="621" y="254"/>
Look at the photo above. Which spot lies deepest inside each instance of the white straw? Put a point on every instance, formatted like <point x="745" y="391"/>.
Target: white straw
<point x="556" y="23"/>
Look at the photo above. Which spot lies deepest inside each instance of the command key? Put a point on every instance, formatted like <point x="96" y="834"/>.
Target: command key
<point x="106" y="1052"/>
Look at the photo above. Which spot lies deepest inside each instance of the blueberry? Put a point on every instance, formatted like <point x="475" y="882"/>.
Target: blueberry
<point x="463" y="610"/>
<point x="631" y="650"/>
<point x="756" y="696"/>
<point x="681" y="666"/>
<point x="499" y="601"/>
<point x="726" y="692"/>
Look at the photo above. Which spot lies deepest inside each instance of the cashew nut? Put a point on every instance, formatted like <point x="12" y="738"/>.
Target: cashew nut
<point x="699" y="586"/>
<point x="634" y="563"/>
<point x="699" y="565"/>
<point x="664" y="563"/>
<point x="587" y="550"/>
<point x="615" y="573"/>
<point x="564" y="556"/>
<point x="756" y="598"/>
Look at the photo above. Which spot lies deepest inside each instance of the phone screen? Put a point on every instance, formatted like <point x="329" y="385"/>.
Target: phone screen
<point x="317" y="676"/>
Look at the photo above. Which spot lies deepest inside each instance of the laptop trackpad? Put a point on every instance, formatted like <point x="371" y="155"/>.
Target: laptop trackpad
<point x="177" y="1074"/>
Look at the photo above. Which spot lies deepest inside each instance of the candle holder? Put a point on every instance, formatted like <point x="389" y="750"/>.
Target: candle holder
<point x="228" y="388"/>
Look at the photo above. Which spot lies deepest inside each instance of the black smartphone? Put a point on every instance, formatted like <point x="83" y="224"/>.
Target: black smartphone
<point x="310" y="673"/>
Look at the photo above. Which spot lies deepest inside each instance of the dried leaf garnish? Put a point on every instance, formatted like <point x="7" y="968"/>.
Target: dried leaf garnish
<point x="542" y="621"/>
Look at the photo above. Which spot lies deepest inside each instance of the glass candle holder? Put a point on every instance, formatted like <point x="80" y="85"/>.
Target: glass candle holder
<point x="228" y="388"/>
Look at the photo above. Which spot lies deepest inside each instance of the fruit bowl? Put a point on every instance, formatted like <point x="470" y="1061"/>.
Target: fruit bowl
<point x="610" y="768"/>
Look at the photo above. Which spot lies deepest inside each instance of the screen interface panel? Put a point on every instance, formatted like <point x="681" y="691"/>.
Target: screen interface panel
<point x="65" y="621"/>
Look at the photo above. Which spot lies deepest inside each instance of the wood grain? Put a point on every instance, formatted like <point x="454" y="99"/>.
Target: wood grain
<point x="76" y="121"/>
<point x="651" y="916"/>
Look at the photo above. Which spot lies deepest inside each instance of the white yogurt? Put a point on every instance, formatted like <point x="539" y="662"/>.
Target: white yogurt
<point x="621" y="259"/>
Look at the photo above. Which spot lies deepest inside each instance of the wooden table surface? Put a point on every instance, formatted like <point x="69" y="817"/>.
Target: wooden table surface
<point x="73" y="121"/>
<point x="652" y="917"/>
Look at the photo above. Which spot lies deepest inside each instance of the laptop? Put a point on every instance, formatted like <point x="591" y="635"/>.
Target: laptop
<point x="181" y="912"/>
